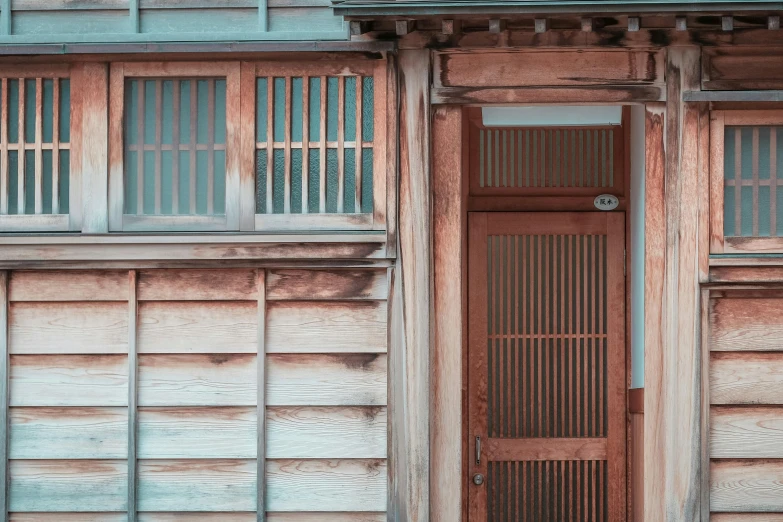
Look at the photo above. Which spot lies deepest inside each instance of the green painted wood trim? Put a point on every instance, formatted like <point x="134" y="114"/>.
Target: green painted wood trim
<point x="133" y="8"/>
<point x="263" y="18"/>
<point x="108" y="39"/>
<point x="5" y="17"/>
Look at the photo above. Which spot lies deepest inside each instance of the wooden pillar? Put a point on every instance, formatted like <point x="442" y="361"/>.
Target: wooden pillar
<point x="446" y="425"/>
<point x="94" y="84"/>
<point x="410" y="335"/>
<point x="672" y="416"/>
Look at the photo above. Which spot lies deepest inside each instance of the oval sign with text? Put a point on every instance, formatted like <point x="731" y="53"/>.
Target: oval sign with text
<point x="606" y="202"/>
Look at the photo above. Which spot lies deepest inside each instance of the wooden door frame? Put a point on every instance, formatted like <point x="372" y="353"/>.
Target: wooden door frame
<point x="448" y="434"/>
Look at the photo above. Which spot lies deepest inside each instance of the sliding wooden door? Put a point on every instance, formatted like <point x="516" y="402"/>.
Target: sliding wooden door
<point x="546" y="367"/>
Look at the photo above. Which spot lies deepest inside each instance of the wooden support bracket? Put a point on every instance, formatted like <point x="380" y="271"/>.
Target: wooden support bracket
<point x="451" y="26"/>
<point x="681" y="23"/>
<point x="497" y="25"/>
<point x="587" y="25"/>
<point x="404" y="27"/>
<point x="358" y="27"/>
<point x="727" y="23"/>
<point x="634" y="23"/>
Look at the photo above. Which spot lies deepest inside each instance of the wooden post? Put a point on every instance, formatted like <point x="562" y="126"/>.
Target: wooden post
<point x="4" y="386"/>
<point x="261" y="396"/>
<point x="95" y="151"/>
<point x="446" y="468"/>
<point x="411" y="332"/>
<point x="133" y="366"/>
<point x="672" y="417"/>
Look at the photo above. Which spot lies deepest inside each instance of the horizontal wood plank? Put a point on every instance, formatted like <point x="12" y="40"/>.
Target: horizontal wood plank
<point x="746" y="378"/>
<point x="549" y="68"/>
<point x="326" y="485"/>
<point x="546" y="449"/>
<point x="324" y="327"/>
<point x="326" y="432"/>
<point x="69" y="380"/>
<point x="68" y="485"/>
<point x="68" y="433"/>
<point x="197" y="285"/>
<point x="197" y="380"/>
<point x="197" y="517"/>
<point x="196" y="485"/>
<point x="68" y="328"/>
<point x="326" y="517"/>
<point x="292" y="284"/>
<point x="192" y="433"/>
<point x="746" y="485"/>
<point x="68" y="285"/>
<point x="68" y="517"/>
<point x="747" y="432"/>
<point x="746" y="324"/>
<point x="67" y="5"/>
<point x="196" y="4"/>
<point x="197" y="327"/>
<point x="746" y="517"/>
<point x="326" y="380"/>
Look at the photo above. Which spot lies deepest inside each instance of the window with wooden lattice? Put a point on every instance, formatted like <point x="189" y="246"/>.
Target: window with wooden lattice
<point x="746" y="181"/>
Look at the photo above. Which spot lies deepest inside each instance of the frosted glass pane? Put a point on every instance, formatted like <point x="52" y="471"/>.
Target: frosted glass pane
<point x="261" y="109"/>
<point x="65" y="111"/>
<point x="296" y="109"/>
<point x="368" y="108"/>
<point x="47" y="111"/>
<point x="332" y="108"/>
<point x="29" y="182"/>
<point x="315" y="109"/>
<point x="13" y="182"/>
<point x="350" y="109"/>
<point x="296" y="181"/>
<point x="65" y="181"/>
<point x="367" y="180"/>
<point x="279" y="108"/>
<point x="278" y="182"/>
<point x="29" y="111"/>
<point x="349" y="203"/>
<point x="261" y="181"/>
<point x="13" y="111"/>
<point x="46" y="178"/>
<point x="314" y="181"/>
<point x="331" y="180"/>
<point x="220" y="182"/>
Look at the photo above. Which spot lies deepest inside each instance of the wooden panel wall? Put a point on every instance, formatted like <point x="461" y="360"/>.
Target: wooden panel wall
<point x="745" y="404"/>
<point x="45" y="21"/>
<point x="135" y="395"/>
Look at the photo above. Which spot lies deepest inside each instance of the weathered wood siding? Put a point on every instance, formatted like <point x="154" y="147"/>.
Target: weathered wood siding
<point x="140" y="392"/>
<point x="110" y="21"/>
<point x="746" y="404"/>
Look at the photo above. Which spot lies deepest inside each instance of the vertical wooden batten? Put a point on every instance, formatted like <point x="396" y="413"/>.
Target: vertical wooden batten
<point x="5" y="17"/>
<point x="410" y="439"/>
<point x="672" y="417"/>
<point x="261" y="397"/>
<point x="263" y="21"/>
<point x="95" y="151"/>
<point x="446" y="426"/>
<point x="133" y="8"/>
<point x="132" y="392"/>
<point x="4" y="376"/>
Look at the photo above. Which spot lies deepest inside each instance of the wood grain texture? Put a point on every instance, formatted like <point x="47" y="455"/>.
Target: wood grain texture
<point x="67" y="485"/>
<point x="445" y="483"/>
<point x="326" y="380"/>
<point x="326" y="327"/>
<point x="67" y="517"/>
<point x="746" y="517"/>
<point x="672" y="361"/>
<point x="69" y="380"/>
<point x="746" y="432"/>
<point x="197" y="517"/>
<point x="68" y="433"/>
<point x="197" y="485"/>
<point x="68" y="285"/>
<point x="290" y="284"/>
<point x="326" y="432"/>
<point x="197" y="285"/>
<point x="197" y="380"/>
<point x="95" y="152"/>
<point x="197" y="327"/>
<point x="326" y="517"/>
<point x="68" y="327"/>
<point x="197" y="433"/>
<point x="746" y="378"/>
<point x="326" y="485"/>
<point x="410" y="485"/>
<point x="746" y="325"/>
<point x="553" y="68"/>
<point x="746" y="485"/>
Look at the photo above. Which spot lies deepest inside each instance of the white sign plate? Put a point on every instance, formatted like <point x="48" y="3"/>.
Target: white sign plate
<point x="606" y="202"/>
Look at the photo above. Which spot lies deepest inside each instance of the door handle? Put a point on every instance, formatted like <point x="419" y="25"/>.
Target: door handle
<point x="478" y="451"/>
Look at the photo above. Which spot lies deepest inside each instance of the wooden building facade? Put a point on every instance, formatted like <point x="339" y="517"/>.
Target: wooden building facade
<point x="356" y="260"/>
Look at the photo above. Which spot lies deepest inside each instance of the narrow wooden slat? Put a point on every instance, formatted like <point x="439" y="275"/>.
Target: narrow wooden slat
<point x="305" y="145"/>
<point x="132" y="392"/>
<point x="210" y="147"/>
<point x="4" y="385"/>
<point x="326" y="432"/>
<point x="358" y="155"/>
<point x="56" y="147"/>
<point x="193" y="141"/>
<point x="158" y="141"/>
<point x="287" y="148"/>
<point x="309" y="485"/>
<point x="322" y="149"/>
<point x="261" y="399"/>
<point x="270" y="138"/>
<point x="4" y="164"/>
<point x="21" y="178"/>
<point x="38" y="199"/>
<point x="141" y="172"/>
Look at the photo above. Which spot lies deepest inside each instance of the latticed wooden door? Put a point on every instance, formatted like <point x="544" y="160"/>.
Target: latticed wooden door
<point x="546" y="367"/>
